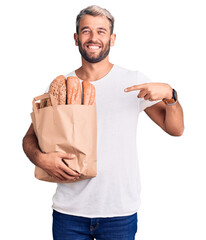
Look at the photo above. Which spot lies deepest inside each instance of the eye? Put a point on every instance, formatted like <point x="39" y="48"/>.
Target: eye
<point x="101" y="32"/>
<point x="85" y="31"/>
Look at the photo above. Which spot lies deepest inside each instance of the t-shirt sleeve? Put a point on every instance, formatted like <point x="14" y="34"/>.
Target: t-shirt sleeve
<point x="143" y="104"/>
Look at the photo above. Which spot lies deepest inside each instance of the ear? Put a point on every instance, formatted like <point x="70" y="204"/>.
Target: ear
<point x="113" y="38"/>
<point x="76" y="39"/>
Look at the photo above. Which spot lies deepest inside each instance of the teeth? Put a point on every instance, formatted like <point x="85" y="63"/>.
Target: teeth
<point x="93" y="47"/>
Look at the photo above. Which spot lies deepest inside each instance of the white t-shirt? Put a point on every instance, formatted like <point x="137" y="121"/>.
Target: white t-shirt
<point x="115" y="191"/>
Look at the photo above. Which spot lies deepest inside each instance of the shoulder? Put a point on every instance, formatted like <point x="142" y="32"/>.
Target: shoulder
<point x="123" y="70"/>
<point x="124" y="74"/>
<point x="138" y="76"/>
<point x="142" y="77"/>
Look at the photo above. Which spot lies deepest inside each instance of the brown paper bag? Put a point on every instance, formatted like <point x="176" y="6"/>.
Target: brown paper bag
<point x="68" y="128"/>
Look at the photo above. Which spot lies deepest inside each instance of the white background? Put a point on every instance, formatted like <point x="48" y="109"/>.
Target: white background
<point x="164" y="39"/>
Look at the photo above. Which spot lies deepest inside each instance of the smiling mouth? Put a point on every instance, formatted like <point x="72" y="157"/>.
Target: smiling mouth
<point x="93" y="47"/>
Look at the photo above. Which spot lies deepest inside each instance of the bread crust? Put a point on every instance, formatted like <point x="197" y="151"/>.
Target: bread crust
<point x="58" y="89"/>
<point x="73" y="90"/>
<point x="68" y="91"/>
<point x="88" y="93"/>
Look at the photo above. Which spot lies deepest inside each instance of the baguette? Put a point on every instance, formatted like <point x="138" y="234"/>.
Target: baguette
<point x="88" y="93"/>
<point x="69" y="92"/>
<point x="73" y="90"/>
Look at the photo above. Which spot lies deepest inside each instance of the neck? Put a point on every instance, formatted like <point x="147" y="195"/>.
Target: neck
<point x="94" y="71"/>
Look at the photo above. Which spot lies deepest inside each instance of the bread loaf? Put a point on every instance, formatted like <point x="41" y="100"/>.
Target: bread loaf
<point x="73" y="90"/>
<point x="69" y="92"/>
<point x="58" y="90"/>
<point x="88" y="93"/>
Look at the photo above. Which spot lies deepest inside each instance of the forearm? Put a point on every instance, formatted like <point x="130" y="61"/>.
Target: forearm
<point x="174" y="122"/>
<point x="31" y="149"/>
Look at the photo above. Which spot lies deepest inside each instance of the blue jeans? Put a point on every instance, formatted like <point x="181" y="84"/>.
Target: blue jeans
<point x="70" y="227"/>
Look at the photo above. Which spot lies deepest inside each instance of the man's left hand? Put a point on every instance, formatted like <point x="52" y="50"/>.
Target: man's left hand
<point x="152" y="91"/>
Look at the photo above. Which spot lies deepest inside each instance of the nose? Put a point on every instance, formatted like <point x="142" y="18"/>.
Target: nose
<point x="93" y="35"/>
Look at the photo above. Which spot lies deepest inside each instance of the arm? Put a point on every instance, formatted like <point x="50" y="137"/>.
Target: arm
<point x="31" y="147"/>
<point x="50" y="162"/>
<point x="168" y="117"/>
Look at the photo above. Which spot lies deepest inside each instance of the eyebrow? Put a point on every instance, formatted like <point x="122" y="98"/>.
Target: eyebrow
<point x="84" y="28"/>
<point x="100" y="28"/>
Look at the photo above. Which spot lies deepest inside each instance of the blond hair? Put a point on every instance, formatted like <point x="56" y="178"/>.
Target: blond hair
<point x="95" y="10"/>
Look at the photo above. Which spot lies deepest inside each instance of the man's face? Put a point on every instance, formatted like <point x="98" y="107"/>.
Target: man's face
<point x="94" y="39"/>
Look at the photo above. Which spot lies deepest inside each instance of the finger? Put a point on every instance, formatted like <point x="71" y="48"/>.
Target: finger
<point x="67" y="155"/>
<point x="67" y="176"/>
<point x="59" y="177"/>
<point x="147" y="97"/>
<point x="135" y="87"/>
<point x="55" y="175"/>
<point x="68" y="170"/>
<point x="142" y="94"/>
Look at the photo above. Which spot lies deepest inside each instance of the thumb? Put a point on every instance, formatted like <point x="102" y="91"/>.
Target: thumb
<point x="67" y="155"/>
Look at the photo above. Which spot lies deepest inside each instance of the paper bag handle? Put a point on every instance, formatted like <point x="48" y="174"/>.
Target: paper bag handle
<point x="43" y="96"/>
<point x="35" y="110"/>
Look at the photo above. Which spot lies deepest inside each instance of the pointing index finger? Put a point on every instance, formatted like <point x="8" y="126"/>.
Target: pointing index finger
<point x="135" y="87"/>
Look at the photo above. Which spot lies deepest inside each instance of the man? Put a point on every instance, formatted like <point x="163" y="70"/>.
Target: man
<point x="105" y="207"/>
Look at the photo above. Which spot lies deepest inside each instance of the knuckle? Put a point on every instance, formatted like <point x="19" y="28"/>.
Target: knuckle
<point x="68" y="174"/>
<point x="67" y="177"/>
<point x="58" y="164"/>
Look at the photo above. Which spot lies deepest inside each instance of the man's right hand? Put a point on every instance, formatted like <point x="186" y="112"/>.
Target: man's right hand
<point x="53" y="164"/>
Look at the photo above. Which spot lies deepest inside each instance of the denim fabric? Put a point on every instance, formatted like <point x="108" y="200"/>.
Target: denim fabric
<point x="70" y="227"/>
